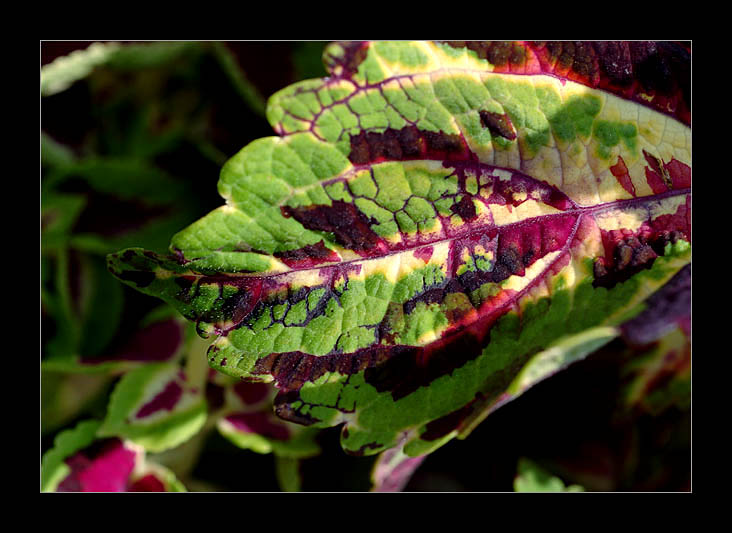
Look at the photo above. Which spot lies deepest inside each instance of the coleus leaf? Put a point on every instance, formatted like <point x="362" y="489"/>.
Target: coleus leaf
<point x="394" y="468"/>
<point x="247" y="420"/>
<point x="156" y="407"/>
<point x="80" y="461"/>
<point x="429" y="218"/>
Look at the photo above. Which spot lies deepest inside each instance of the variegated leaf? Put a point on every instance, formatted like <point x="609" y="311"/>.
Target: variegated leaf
<point x="81" y="461"/>
<point x="156" y="407"/>
<point x="430" y="217"/>
<point x="246" y="419"/>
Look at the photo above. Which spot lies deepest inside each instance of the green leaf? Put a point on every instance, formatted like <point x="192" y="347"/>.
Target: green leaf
<point x="532" y="478"/>
<point x="247" y="421"/>
<point x="158" y="337"/>
<point x="125" y="467"/>
<point x="424" y="224"/>
<point x="658" y="376"/>
<point x="155" y="407"/>
<point x="86" y="306"/>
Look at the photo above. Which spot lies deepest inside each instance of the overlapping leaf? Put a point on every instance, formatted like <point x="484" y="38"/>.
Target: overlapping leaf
<point x="657" y="371"/>
<point x="156" y="407"/>
<point x="243" y="415"/>
<point x="429" y="218"/>
<point x="80" y="461"/>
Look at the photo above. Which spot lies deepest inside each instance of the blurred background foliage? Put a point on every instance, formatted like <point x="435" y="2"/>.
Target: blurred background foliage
<point x="133" y="138"/>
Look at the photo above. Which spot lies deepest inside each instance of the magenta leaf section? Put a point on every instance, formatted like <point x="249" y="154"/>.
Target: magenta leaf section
<point x="259" y="423"/>
<point x="165" y="400"/>
<point x="103" y="467"/>
<point x="147" y="483"/>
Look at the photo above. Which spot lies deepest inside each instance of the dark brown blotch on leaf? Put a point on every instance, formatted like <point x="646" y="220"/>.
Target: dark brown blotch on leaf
<point x="307" y="256"/>
<point x="498" y="124"/>
<point x="465" y="208"/>
<point x="349" y="226"/>
<point x="403" y="144"/>
<point x="629" y="257"/>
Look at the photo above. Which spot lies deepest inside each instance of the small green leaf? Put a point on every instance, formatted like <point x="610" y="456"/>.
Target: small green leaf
<point x="658" y="376"/>
<point x="532" y="478"/>
<point x="247" y="420"/>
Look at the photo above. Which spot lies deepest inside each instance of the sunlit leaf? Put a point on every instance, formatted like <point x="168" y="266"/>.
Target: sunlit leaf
<point x="429" y="218"/>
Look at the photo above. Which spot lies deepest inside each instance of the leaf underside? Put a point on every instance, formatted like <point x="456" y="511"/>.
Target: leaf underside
<point x="430" y="217"/>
